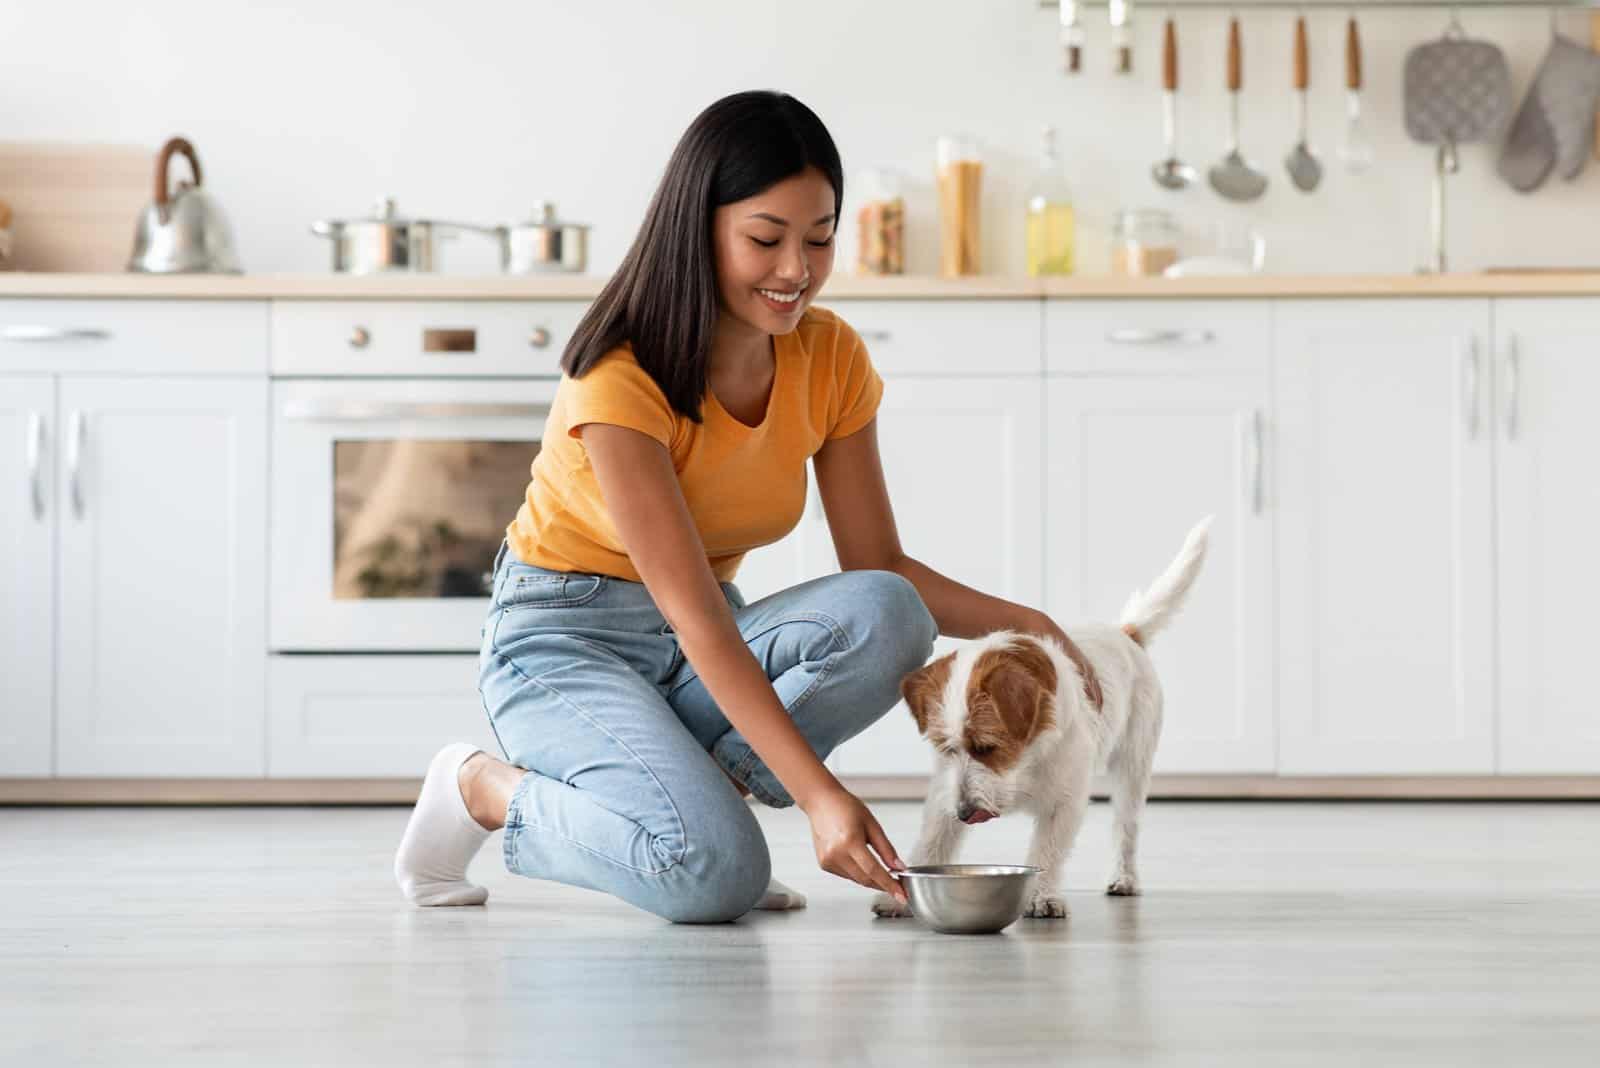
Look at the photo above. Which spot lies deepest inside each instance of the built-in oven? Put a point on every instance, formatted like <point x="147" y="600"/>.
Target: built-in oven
<point x="401" y="448"/>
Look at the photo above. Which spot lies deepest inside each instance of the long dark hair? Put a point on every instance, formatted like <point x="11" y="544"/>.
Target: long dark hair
<point x="663" y="298"/>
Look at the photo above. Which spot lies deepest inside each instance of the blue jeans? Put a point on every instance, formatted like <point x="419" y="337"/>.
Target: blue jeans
<point x="586" y="687"/>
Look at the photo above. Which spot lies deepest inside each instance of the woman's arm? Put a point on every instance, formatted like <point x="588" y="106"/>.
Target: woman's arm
<point x="856" y="499"/>
<point x="645" y="501"/>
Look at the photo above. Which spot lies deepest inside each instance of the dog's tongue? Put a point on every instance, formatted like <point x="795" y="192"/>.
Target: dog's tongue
<point x="979" y="816"/>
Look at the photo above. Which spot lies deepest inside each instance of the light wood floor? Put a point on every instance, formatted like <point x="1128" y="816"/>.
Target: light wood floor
<point x="1270" y="933"/>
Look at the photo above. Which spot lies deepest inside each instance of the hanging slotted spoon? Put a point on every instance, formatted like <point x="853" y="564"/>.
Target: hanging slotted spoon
<point x="1234" y="178"/>
<point x="1304" y="170"/>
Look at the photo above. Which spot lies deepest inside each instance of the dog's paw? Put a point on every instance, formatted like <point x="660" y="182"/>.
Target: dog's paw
<point x="1047" y="907"/>
<point x="1123" y="885"/>
<point x="889" y="908"/>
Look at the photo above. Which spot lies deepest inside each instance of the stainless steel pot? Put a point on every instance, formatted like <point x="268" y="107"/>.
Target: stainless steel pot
<point x="543" y="244"/>
<point x="182" y="231"/>
<point x="385" y="242"/>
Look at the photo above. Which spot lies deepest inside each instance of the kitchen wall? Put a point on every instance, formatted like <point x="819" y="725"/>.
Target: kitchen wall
<point x="474" y="109"/>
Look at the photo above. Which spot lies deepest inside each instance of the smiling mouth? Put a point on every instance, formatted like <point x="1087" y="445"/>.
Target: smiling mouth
<point x="783" y="296"/>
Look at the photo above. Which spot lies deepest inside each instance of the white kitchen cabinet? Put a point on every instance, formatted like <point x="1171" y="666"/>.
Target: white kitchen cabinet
<point x="1385" y="577"/>
<point x="1546" y="441"/>
<point x="371" y="716"/>
<point x="962" y="458"/>
<point x="27" y="561"/>
<point x="161" y="610"/>
<point x="1132" y="464"/>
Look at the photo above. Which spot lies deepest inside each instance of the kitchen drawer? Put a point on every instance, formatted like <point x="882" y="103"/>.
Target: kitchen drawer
<point x="370" y="716"/>
<point x="941" y="337"/>
<point x="192" y="337"/>
<point x="1157" y="336"/>
<point x="422" y="338"/>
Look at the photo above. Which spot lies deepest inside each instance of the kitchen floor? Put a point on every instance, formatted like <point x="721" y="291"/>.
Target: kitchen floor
<point x="1270" y="933"/>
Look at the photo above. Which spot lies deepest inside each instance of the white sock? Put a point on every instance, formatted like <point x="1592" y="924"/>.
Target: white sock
<point x="780" y="898"/>
<point x="441" y="837"/>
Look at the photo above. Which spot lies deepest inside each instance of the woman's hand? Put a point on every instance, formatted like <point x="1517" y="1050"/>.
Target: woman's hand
<point x="842" y="829"/>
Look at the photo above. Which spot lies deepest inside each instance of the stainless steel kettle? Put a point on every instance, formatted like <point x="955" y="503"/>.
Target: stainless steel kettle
<point x="183" y="231"/>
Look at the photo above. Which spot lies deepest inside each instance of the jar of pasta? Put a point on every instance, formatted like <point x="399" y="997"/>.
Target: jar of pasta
<point x="881" y="225"/>
<point x="1144" y="241"/>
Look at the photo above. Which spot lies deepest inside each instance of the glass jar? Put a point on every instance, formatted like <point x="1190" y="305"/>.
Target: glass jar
<point x="960" y="181"/>
<point x="881" y="225"/>
<point x="1144" y="242"/>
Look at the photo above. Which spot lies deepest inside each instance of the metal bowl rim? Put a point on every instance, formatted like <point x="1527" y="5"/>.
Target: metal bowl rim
<point x="967" y="871"/>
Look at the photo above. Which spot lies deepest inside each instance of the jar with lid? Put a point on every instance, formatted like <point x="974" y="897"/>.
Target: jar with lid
<point x="1144" y="241"/>
<point x="881" y="225"/>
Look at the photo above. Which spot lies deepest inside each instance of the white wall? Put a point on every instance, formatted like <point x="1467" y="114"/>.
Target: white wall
<point x="472" y="109"/>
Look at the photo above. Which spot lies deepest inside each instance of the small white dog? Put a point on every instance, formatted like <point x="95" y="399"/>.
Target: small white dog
<point x="1015" y="729"/>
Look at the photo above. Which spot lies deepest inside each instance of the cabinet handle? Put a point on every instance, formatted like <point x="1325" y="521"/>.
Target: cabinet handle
<point x="1513" y="385"/>
<point x="54" y="333"/>
<point x="1139" y="335"/>
<point x="539" y="337"/>
<point x="1469" y="368"/>
<point x="360" y="411"/>
<point x="360" y="337"/>
<point x="1255" y="448"/>
<point x="35" y="464"/>
<point x="76" y="432"/>
<point x="874" y="335"/>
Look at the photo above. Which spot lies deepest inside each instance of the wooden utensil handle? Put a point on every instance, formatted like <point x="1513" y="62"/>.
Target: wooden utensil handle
<point x="1302" y="55"/>
<point x="1169" y="58"/>
<point x="175" y="146"/>
<point x="1352" y="57"/>
<point x="1235" y="57"/>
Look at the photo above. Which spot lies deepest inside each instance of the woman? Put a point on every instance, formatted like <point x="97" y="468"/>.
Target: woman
<point x="635" y="694"/>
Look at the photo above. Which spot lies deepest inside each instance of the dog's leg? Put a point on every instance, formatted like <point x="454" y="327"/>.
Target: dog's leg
<point x="1130" y="785"/>
<point x="938" y="843"/>
<point x="1053" y="834"/>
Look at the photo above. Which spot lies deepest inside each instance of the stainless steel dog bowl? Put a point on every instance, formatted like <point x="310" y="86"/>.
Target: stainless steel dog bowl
<point x="968" y="898"/>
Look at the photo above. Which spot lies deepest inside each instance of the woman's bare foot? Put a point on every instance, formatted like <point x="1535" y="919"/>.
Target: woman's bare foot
<point x="486" y="786"/>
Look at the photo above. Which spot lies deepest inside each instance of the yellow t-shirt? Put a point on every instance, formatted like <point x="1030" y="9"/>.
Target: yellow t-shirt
<point x="745" y="486"/>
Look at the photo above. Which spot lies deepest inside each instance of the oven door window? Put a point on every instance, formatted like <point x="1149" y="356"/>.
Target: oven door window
<point x="423" y="518"/>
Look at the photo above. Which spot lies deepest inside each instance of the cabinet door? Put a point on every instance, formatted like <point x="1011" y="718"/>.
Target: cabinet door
<point x="1132" y="466"/>
<point x="1546" y="443"/>
<point x="27" y="562"/>
<point x="1386" y="644"/>
<point x="370" y="716"/>
<point x="161" y="628"/>
<point x="962" y="459"/>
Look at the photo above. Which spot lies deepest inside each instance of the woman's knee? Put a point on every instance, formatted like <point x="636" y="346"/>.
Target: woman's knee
<point x="723" y="871"/>
<point x="898" y="622"/>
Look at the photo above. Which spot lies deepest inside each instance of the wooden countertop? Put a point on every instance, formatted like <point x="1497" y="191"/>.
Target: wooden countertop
<point x="840" y="287"/>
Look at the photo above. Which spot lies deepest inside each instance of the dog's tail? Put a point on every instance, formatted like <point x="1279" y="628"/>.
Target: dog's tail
<point x="1148" y="612"/>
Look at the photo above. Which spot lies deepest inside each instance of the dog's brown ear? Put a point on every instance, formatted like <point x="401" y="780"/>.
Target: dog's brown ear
<point x="922" y="687"/>
<point x="1021" y="682"/>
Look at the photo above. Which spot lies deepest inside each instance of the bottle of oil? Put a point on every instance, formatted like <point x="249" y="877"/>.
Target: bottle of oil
<point x="1050" y="216"/>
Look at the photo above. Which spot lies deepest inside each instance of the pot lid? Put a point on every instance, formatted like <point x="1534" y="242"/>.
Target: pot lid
<point x="544" y="215"/>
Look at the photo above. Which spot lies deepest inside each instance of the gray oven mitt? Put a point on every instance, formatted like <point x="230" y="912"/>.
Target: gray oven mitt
<point x="1555" y="126"/>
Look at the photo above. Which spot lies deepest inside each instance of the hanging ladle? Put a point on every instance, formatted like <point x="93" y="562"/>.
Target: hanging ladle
<point x="1171" y="173"/>
<point x="1233" y="177"/>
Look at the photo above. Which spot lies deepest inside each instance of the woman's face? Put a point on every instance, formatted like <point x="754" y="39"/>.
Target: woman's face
<point x="774" y="250"/>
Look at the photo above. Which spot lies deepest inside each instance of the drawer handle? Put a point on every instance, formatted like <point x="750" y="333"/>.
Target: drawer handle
<point x="875" y="335"/>
<point x="360" y="337"/>
<point x="355" y="411"/>
<point x="539" y="338"/>
<point x="54" y="333"/>
<point x="1139" y="335"/>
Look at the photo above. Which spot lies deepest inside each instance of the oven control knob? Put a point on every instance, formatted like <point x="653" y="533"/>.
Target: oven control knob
<point x="540" y="337"/>
<point x="360" y="337"/>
